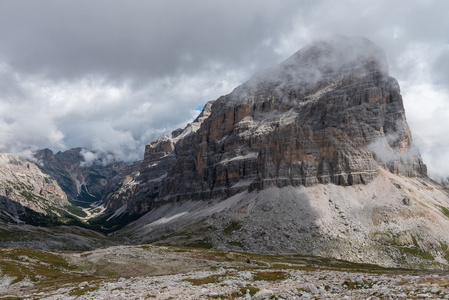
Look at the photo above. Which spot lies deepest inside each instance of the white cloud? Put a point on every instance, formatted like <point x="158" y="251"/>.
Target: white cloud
<point x="104" y="116"/>
<point x="130" y="71"/>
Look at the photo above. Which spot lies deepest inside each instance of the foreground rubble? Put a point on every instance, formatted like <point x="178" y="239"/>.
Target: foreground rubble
<point x="148" y="272"/>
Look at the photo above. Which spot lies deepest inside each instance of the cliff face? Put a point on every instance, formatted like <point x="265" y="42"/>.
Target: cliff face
<point x="312" y="157"/>
<point x="141" y="186"/>
<point x="25" y="189"/>
<point x="328" y="114"/>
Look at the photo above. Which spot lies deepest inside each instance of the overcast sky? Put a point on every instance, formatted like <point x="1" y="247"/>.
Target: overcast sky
<point x="114" y="75"/>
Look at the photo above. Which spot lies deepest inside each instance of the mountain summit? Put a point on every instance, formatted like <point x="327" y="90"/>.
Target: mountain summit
<point x="312" y="156"/>
<point x="328" y="114"/>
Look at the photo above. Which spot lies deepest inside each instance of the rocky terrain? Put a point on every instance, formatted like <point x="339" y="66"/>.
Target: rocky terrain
<point x="148" y="272"/>
<point x="328" y="114"/>
<point x="392" y="221"/>
<point x="83" y="181"/>
<point x="313" y="156"/>
<point x="26" y="193"/>
<point x="54" y="238"/>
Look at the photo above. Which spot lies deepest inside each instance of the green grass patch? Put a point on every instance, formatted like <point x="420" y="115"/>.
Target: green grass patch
<point x="65" y="280"/>
<point x="415" y="251"/>
<point x="205" y="280"/>
<point x="444" y="210"/>
<point x="102" y="224"/>
<point x="203" y="244"/>
<point x="34" y="264"/>
<point x="238" y="244"/>
<point x="96" y="210"/>
<point x="271" y="276"/>
<point x="73" y="209"/>
<point x="232" y="226"/>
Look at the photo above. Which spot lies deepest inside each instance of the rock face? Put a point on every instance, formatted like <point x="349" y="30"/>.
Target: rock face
<point x="328" y="114"/>
<point x="141" y="188"/>
<point x="313" y="157"/>
<point x="24" y="189"/>
<point x="83" y="182"/>
<point x="393" y="221"/>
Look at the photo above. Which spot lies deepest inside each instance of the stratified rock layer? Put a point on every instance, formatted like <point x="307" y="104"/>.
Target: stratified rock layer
<point x="24" y="189"/>
<point x="139" y="190"/>
<point x="328" y="114"/>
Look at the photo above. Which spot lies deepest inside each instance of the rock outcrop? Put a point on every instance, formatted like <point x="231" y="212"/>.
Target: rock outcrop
<point x="312" y="157"/>
<point x="328" y="114"/>
<point x="138" y="192"/>
<point x="26" y="191"/>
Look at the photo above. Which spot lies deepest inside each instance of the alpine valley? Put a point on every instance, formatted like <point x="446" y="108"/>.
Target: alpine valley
<point x="311" y="157"/>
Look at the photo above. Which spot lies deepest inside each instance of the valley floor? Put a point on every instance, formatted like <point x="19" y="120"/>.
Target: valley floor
<point x="149" y="272"/>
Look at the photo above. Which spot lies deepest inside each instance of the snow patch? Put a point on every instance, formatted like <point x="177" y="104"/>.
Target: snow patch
<point x="118" y="212"/>
<point x="166" y="220"/>
<point x="318" y="94"/>
<point x="251" y="155"/>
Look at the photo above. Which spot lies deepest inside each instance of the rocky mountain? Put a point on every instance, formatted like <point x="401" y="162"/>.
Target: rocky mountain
<point x="328" y="114"/>
<point x="313" y="156"/>
<point x="84" y="182"/>
<point x="140" y="188"/>
<point x="31" y="200"/>
<point x="444" y="182"/>
<point x="27" y="194"/>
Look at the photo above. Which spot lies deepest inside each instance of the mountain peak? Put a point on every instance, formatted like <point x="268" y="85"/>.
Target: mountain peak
<point x="339" y="53"/>
<point x="321" y="63"/>
<point x="328" y="114"/>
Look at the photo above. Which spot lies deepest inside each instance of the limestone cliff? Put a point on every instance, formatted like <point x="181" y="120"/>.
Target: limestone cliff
<point x="25" y="190"/>
<point x="328" y="114"/>
<point x="139" y="190"/>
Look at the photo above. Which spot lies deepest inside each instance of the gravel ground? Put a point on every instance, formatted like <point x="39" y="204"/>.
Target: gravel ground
<point x="298" y="285"/>
<point x="146" y="272"/>
<point x="393" y="221"/>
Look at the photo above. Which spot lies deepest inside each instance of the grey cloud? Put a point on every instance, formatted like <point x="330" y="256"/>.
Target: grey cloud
<point x="10" y="86"/>
<point x="113" y="75"/>
<point x="441" y="67"/>
<point x="134" y="38"/>
<point x="90" y="158"/>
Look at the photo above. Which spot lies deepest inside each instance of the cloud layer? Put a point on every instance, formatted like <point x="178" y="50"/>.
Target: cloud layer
<point x="114" y="75"/>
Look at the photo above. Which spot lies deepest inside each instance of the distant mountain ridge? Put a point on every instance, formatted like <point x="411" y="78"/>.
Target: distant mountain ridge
<point x="84" y="183"/>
